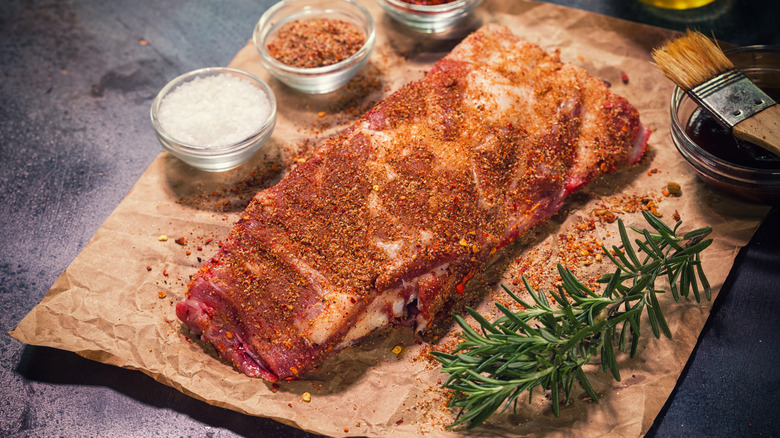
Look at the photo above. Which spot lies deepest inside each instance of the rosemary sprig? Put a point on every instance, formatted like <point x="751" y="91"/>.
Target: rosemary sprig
<point x="546" y="344"/>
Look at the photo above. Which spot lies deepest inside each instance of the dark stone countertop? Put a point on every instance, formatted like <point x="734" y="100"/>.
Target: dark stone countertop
<point x="75" y="92"/>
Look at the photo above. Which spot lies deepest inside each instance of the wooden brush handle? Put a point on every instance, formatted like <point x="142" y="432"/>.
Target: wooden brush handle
<point x="762" y="129"/>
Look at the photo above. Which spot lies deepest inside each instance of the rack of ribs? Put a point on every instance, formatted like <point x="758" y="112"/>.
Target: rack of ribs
<point x="389" y="219"/>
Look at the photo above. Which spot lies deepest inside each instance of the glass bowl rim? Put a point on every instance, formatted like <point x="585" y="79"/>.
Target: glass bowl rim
<point x="181" y="146"/>
<point x="405" y="7"/>
<point x="264" y="23"/>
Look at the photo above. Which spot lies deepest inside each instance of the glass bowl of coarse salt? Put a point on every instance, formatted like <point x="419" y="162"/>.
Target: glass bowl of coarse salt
<point x="315" y="46"/>
<point x="214" y="118"/>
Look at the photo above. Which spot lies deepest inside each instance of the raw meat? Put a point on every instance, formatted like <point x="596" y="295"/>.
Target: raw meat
<point x="388" y="220"/>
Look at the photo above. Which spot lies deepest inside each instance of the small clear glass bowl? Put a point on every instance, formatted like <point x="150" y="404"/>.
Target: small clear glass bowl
<point x="314" y="80"/>
<point x="754" y="182"/>
<point x="215" y="158"/>
<point x="429" y="18"/>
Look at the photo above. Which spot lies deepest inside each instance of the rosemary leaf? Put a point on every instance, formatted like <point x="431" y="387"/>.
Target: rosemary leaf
<point x="627" y="246"/>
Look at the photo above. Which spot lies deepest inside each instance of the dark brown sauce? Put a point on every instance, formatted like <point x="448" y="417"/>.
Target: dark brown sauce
<point x="715" y="139"/>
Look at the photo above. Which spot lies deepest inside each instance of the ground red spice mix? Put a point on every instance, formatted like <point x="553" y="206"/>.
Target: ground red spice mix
<point x="316" y="42"/>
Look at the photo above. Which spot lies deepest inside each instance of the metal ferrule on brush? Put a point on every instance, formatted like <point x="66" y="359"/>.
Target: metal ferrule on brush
<point x="731" y="97"/>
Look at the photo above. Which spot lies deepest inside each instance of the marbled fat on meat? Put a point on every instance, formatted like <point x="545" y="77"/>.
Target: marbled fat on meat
<point x="389" y="219"/>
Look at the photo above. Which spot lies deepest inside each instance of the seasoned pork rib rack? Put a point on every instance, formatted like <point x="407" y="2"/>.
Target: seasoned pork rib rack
<point x="388" y="220"/>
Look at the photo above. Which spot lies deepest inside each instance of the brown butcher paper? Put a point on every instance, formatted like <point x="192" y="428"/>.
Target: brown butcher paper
<point x="115" y="302"/>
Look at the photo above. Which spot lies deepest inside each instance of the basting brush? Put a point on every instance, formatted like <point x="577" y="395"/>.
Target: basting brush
<point x="698" y="66"/>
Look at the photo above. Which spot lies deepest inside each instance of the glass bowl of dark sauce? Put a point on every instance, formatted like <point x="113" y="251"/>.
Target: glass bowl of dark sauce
<point x="728" y="164"/>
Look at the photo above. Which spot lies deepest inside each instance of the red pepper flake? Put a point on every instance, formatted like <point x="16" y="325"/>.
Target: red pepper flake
<point x="624" y="78"/>
<point x="461" y="287"/>
<point x="165" y="272"/>
<point x="161" y="294"/>
<point x="399" y="422"/>
<point x="181" y="241"/>
<point x="148" y="268"/>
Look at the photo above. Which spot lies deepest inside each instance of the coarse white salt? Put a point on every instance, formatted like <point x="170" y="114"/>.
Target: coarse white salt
<point x="214" y="111"/>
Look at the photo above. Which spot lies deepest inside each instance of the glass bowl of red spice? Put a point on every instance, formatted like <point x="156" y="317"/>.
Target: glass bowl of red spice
<point x="429" y="16"/>
<point x="315" y="46"/>
<point x="724" y="162"/>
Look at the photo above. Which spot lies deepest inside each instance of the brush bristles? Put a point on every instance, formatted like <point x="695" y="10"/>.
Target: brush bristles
<point x="691" y="60"/>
